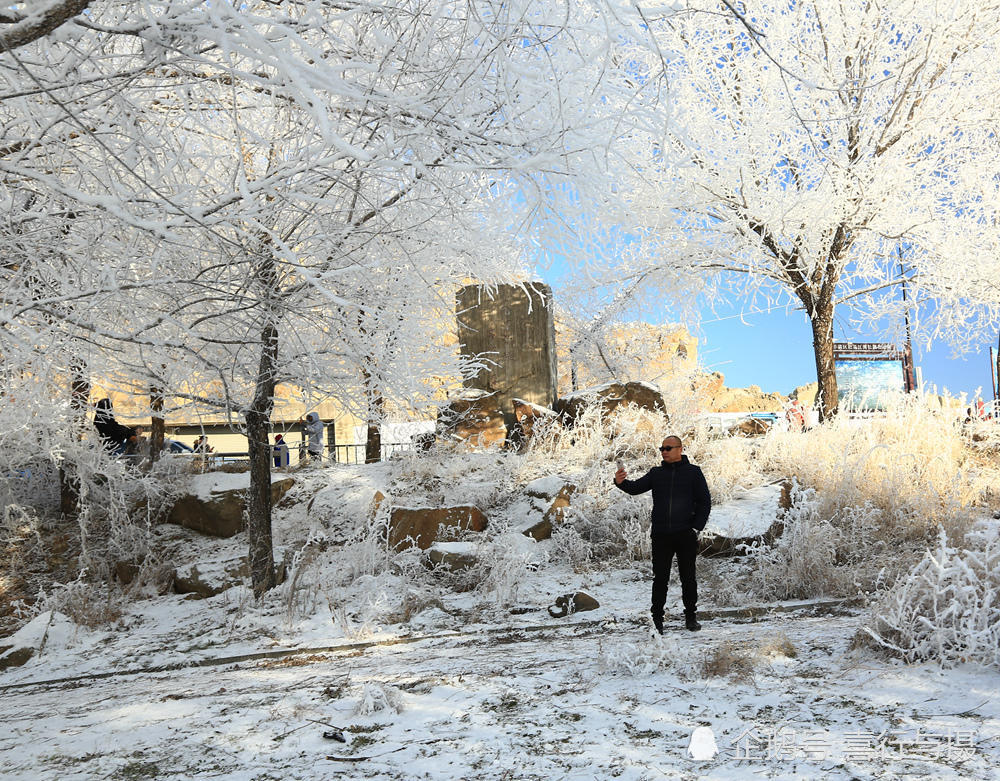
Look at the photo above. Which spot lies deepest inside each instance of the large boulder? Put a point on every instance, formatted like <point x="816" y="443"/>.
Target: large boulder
<point x="422" y="523"/>
<point x="528" y="417"/>
<point x="743" y="521"/>
<point x="454" y="556"/>
<point x="214" y="504"/>
<point x="610" y="397"/>
<point x="475" y="418"/>
<point x="750" y="427"/>
<point x="713" y="545"/>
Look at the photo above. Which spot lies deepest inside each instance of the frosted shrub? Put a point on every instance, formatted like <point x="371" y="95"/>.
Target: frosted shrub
<point x="912" y="463"/>
<point x="945" y="609"/>
<point x="633" y="530"/>
<point x="87" y="603"/>
<point x="569" y="548"/>
<point x="379" y="697"/>
<point x="625" y="658"/>
<point x="802" y="562"/>
<point x="504" y="570"/>
<point x="730" y="466"/>
<point x="368" y="553"/>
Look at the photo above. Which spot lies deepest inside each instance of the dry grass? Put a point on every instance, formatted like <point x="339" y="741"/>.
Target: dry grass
<point x="779" y="645"/>
<point x="728" y="660"/>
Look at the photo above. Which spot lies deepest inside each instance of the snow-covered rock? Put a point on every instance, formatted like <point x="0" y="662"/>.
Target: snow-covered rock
<point x="421" y="524"/>
<point x="49" y="629"/>
<point x="214" y="502"/>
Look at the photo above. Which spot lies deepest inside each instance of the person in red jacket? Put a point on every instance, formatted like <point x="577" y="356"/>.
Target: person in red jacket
<point x="681" y="504"/>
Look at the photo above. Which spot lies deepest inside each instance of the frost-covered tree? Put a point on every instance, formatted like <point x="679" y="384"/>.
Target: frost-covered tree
<point x="812" y="144"/>
<point x="256" y="163"/>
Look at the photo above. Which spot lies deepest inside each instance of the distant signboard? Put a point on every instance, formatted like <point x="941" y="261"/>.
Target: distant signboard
<point x="866" y="371"/>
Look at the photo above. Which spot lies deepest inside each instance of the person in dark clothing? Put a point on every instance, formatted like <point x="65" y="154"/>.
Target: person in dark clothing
<point x="114" y="435"/>
<point x="681" y="504"/>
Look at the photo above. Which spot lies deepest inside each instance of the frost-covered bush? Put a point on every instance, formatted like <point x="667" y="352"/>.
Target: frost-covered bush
<point x="504" y="571"/>
<point x="622" y="657"/>
<point x="913" y="463"/>
<point x="86" y="602"/>
<point x="570" y="548"/>
<point x="819" y="555"/>
<point x="626" y="658"/>
<point x="378" y="697"/>
<point x="802" y="562"/>
<point x="730" y="465"/>
<point x="945" y="609"/>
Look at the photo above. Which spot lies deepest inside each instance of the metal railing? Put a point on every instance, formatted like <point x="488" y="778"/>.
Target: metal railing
<point x="355" y="454"/>
<point x="338" y="454"/>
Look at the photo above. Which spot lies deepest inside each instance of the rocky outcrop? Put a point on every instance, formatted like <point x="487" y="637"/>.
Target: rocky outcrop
<point x="573" y="603"/>
<point x="610" y="397"/>
<point x="475" y="418"/>
<point x="557" y="493"/>
<point x="422" y="524"/>
<point x="454" y="556"/>
<point x="716" y="397"/>
<point x="636" y="349"/>
<point x="750" y="427"/>
<point x="805" y="394"/>
<point x="527" y="417"/>
<point x="219" y="513"/>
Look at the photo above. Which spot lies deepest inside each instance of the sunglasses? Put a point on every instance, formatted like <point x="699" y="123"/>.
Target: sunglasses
<point x="667" y="447"/>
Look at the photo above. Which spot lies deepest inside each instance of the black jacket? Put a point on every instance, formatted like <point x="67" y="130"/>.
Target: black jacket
<point x="680" y="495"/>
<point x="112" y="432"/>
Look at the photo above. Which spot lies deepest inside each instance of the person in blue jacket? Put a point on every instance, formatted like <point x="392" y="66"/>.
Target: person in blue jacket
<point x="681" y="504"/>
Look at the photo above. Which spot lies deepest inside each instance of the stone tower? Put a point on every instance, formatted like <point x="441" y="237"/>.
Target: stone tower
<point x="512" y="329"/>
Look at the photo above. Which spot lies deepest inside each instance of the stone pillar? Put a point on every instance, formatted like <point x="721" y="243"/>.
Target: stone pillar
<point x="512" y="328"/>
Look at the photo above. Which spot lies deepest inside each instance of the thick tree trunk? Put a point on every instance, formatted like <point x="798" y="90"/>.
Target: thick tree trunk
<point x="258" y="512"/>
<point x="826" y="375"/>
<point x="158" y="429"/>
<point x="373" y="444"/>
<point x="69" y="480"/>
<point x="375" y="408"/>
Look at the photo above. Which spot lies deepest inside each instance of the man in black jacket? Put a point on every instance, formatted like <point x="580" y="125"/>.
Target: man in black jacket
<point x="681" y="504"/>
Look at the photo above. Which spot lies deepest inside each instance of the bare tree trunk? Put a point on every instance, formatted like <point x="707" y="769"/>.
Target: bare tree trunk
<point x="69" y="480"/>
<point x="373" y="442"/>
<point x="157" y="430"/>
<point x="826" y="375"/>
<point x="258" y="512"/>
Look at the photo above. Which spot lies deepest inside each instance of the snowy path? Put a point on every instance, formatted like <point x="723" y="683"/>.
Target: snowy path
<point x="584" y="700"/>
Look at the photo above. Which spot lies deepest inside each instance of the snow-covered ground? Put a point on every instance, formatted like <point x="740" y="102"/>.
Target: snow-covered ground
<point x="411" y="684"/>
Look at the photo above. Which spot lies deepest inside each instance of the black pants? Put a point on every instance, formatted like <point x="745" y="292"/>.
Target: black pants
<point x="666" y="545"/>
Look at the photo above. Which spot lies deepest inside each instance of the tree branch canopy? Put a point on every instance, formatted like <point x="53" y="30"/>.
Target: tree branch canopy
<point x="30" y="27"/>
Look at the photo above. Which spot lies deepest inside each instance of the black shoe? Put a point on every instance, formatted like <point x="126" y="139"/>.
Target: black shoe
<point x="658" y="623"/>
<point x="691" y="622"/>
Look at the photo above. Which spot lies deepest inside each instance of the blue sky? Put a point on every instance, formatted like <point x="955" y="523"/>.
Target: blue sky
<point x="774" y="350"/>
